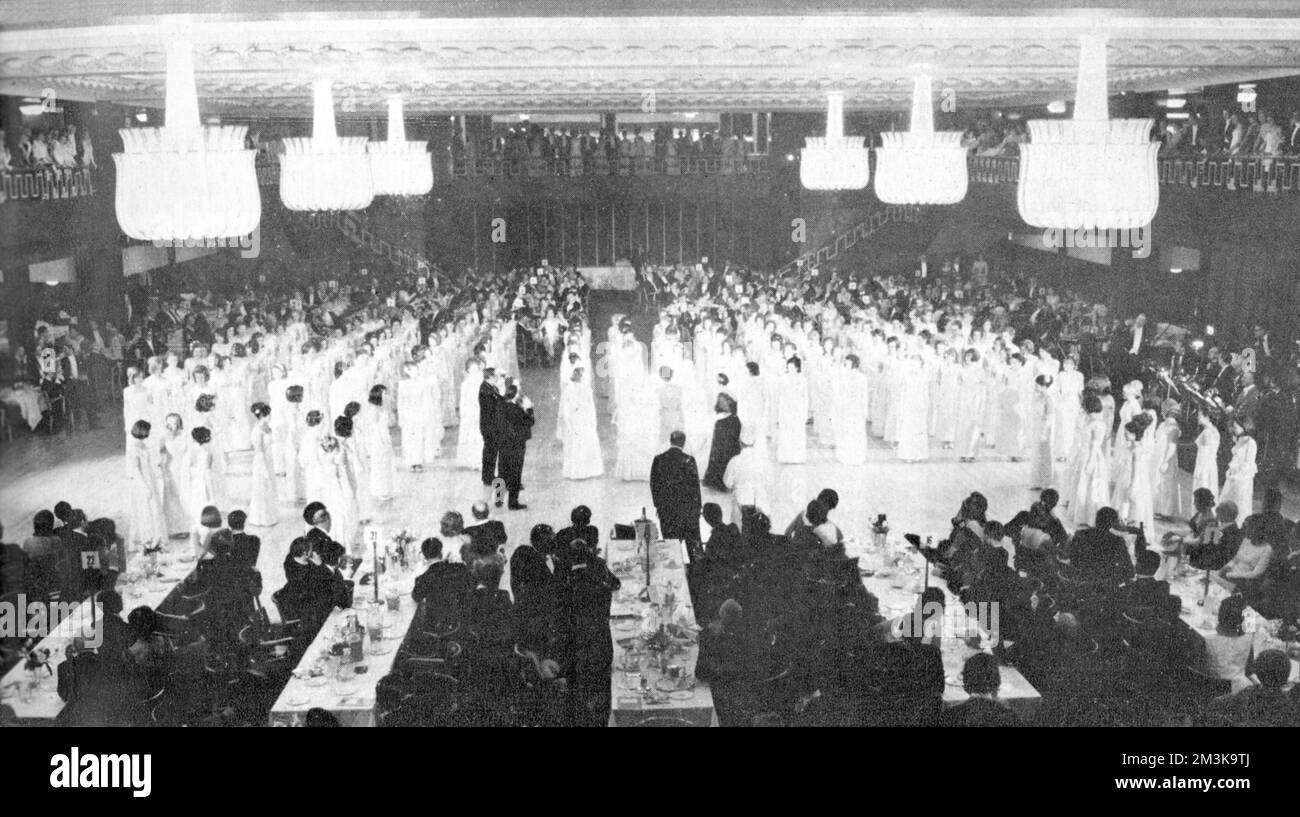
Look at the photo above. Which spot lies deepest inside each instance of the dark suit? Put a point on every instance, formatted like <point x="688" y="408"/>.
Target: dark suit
<point x="675" y="490"/>
<point x="588" y="589"/>
<point x="245" y="548"/>
<point x="489" y="403"/>
<point x="1101" y="556"/>
<point x="322" y="543"/>
<point x="530" y="576"/>
<point x="725" y="543"/>
<point x="443" y="587"/>
<point x="487" y="536"/>
<point x="563" y="555"/>
<point x="514" y="429"/>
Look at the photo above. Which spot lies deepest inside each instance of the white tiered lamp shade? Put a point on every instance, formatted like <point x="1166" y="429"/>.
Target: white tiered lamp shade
<point x="921" y="166"/>
<point x="185" y="181"/>
<point x="325" y="171"/>
<point x="1091" y="172"/>
<point x="834" y="161"/>
<point x="399" y="167"/>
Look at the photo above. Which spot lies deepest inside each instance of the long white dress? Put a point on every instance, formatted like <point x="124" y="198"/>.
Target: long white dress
<point x="341" y="489"/>
<point x="1138" y="505"/>
<point x="174" y="450"/>
<point x="1239" y="482"/>
<point x="577" y="432"/>
<point x="948" y="406"/>
<point x="1040" y="435"/>
<point x="971" y="394"/>
<point x="638" y="432"/>
<point x="201" y="485"/>
<point x="431" y="417"/>
<point x="747" y="477"/>
<point x="1205" y="474"/>
<point x="1069" y="387"/>
<point x="136" y="406"/>
<point x="1167" y="499"/>
<point x="792" y="419"/>
<point x="469" y="440"/>
<point x="850" y="415"/>
<point x="378" y="443"/>
<point x="1011" y="418"/>
<point x="1091" y="489"/>
<point x="148" y="527"/>
<point x="310" y="463"/>
<point x="281" y="423"/>
<point x="913" y="394"/>
<point x="412" y="418"/>
<point x="262" y="501"/>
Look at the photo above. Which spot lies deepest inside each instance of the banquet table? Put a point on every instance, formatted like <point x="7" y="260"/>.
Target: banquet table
<point x="29" y="400"/>
<point x="898" y="588"/>
<point x="345" y="688"/>
<point x="640" y="690"/>
<point x="1203" y="618"/>
<point x="36" y="699"/>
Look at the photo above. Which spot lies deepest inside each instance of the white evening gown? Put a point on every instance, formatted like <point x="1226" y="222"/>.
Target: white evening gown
<point x="412" y="418"/>
<point x="792" y="419"/>
<point x="1239" y="482"/>
<point x="175" y="473"/>
<point x="148" y="527"/>
<point x="1205" y="474"/>
<point x="469" y="441"/>
<point x="262" y="501"/>
<point x="851" y="418"/>
<point x="582" y="458"/>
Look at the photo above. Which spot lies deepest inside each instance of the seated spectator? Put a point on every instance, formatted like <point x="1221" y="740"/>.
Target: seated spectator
<point x="1216" y="544"/>
<point x="317" y="717"/>
<point x="1099" y="555"/>
<point x="981" y="679"/>
<point x="1274" y="528"/>
<point x="488" y="611"/>
<point x="586" y="593"/>
<point x="244" y="547"/>
<point x="724" y="542"/>
<point x="581" y="528"/>
<point x="116" y="635"/>
<point x="442" y="586"/>
<point x="487" y="535"/>
<point x="1245" y="572"/>
<point x="456" y="543"/>
<point x="1267" y="703"/>
<point x="530" y="575"/>
<point x="830" y="499"/>
<point x="1228" y="648"/>
<point x="47" y="559"/>
<point x="1036" y="555"/>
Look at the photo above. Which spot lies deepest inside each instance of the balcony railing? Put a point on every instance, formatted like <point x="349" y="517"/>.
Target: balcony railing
<point x="45" y="183"/>
<point x="1258" y="174"/>
<point x="619" y="166"/>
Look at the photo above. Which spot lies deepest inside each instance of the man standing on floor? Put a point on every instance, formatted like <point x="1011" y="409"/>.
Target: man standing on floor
<point x="514" y="428"/>
<point x="489" y="403"/>
<point x="675" y="491"/>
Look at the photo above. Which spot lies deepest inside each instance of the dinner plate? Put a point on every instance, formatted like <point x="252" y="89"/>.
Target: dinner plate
<point x="316" y="681"/>
<point x="953" y="681"/>
<point x="682" y="694"/>
<point x="625" y="626"/>
<point x="671" y="685"/>
<point x="298" y="700"/>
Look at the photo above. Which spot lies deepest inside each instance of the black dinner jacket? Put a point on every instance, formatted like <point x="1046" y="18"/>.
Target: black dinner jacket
<point x="245" y="548"/>
<point x="675" y="484"/>
<point x="514" y="425"/>
<point x="489" y="403"/>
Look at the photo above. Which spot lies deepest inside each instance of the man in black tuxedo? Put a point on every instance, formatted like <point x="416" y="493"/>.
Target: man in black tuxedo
<point x="489" y="405"/>
<point x="580" y="528"/>
<point x="442" y="586"/>
<point x="675" y="491"/>
<point x="244" y="547"/>
<point x="487" y="535"/>
<point x="514" y="429"/>
<point x="531" y="582"/>
<point x="1131" y="346"/>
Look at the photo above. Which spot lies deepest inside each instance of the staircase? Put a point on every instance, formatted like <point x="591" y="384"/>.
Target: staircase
<point x="355" y="231"/>
<point x="845" y="240"/>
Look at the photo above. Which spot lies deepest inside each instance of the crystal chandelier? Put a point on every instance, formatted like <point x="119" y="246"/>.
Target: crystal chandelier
<point x="921" y="166"/>
<point x="185" y="181"/>
<point x="325" y="171"/>
<point x="834" y="161"/>
<point x="399" y="167"/>
<point x="1091" y="172"/>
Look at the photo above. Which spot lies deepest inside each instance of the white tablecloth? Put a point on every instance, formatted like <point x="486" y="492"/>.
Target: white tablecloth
<point x="29" y="400"/>
<point x="41" y="702"/>
<point x="1203" y="618"/>
<point x="898" y="590"/>
<point x="690" y="702"/>
<point x="349" y="695"/>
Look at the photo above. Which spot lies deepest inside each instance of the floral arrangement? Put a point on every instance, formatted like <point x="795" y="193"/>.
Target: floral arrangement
<point x="401" y="543"/>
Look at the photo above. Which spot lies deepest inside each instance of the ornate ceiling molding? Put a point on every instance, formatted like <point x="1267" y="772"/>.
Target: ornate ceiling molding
<point x="708" y="63"/>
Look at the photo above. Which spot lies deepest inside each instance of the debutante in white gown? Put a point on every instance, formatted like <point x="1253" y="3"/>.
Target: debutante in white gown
<point x="1239" y="482"/>
<point x="412" y="407"/>
<point x="174" y="450"/>
<point x="1069" y="387"/>
<point x="638" y="431"/>
<point x="747" y="477"/>
<point x="148" y="527"/>
<point x="1091" y="489"/>
<point x="340" y="489"/>
<point x="469" y="440"/>
<point x="1138" y="505"/>
<point x="948" y="405"/>
<point x="913" y="412"/>
<point x="378" y="443"/>
<point x="202" y="485"/>
<point x="1205" y="474"/>
<point x="263" y="498"/>
<point x="792" y="419"/>
<point x="135" y="406"/>
<point x="577" y="432"/>
<point x="1167" y="499"/>
<point x="1040" y="435"/>
<point x="432" y="415"/>
<point x="972" y="393"/>
<point x="310" y="462"/>
<point x="850" y="417"/>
